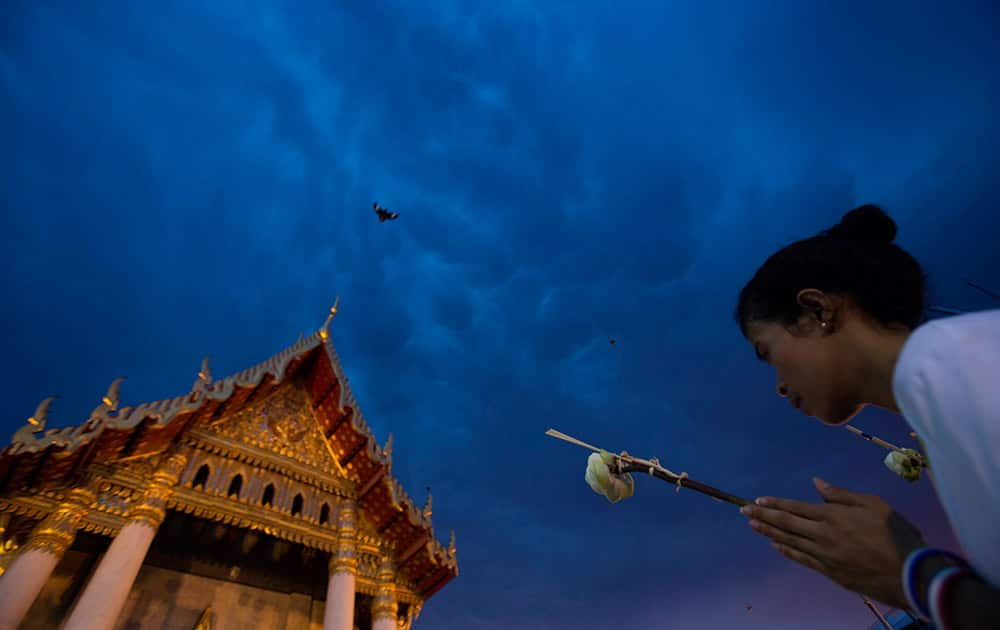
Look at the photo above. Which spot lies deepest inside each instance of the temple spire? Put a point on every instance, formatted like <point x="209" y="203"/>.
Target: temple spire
<point x="324" y="332"/>
<point x="451" y="544"/>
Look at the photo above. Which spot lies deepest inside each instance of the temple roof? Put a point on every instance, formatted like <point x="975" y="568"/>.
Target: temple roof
<point x="37" y="457"/>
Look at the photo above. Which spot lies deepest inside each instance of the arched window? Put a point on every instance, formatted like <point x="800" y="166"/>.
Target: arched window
<point x="235" y="486"/>
<point x="268" y="498"/>
<point x="200" y="477"/>
<point x="297" y="505"/>
<point x="324" y="514"/>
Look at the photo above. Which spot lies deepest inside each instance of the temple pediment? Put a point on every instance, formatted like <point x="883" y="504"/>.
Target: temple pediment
<point x="282" y="425"/>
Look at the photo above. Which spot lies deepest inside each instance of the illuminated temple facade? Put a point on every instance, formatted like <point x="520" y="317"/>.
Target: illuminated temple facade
<point x="258" y="501"/>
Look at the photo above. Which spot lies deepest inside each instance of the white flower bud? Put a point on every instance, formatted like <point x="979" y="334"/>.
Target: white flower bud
<point x="905" y="463"/>
<point x="606" y="483"/>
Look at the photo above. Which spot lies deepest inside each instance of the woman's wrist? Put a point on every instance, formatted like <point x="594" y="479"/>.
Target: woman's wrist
<point x="940" y="595"/>
<point x="919" y="571"/>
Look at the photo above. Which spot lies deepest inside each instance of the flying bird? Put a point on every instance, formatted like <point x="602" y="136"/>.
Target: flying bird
<point x="749" y="608"/>
<point x="611" y="340"/>
<point x="383" y="214"/>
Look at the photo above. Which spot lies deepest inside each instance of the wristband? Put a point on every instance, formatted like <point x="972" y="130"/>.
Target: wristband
<point x="937" y="594"/>
<point x="910" y="567"/>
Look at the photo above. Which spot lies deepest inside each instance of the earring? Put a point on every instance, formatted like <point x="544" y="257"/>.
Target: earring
<point x="822" y="324"/>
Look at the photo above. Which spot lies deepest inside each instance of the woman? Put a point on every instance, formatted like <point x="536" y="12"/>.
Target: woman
<point x="839" y="317"/>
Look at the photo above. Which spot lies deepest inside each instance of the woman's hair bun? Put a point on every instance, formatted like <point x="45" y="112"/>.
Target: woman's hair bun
<point x="865" y="223"/>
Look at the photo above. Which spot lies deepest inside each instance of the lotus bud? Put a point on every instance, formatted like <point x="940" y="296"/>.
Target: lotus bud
<point x="603" y="481"/>
<point x="905" y="463"/>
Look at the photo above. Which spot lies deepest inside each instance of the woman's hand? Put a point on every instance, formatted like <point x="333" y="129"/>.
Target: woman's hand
<point x="856" y="540"/>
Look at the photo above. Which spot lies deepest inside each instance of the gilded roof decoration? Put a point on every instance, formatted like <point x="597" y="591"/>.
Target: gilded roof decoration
<point x="161" y="412"/>
<point x="283" y="424"/>
<point x="296" y="407"/>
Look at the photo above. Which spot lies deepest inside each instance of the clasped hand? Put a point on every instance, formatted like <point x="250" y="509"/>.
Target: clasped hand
<point x="856" y="540"/>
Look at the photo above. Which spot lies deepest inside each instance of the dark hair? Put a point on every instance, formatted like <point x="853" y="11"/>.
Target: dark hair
<point x="855" y="258"/>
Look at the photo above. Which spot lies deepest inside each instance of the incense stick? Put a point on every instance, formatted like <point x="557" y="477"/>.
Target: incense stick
<point x="572" y="440"/>
<point x="992" y="294"/>
<point x="629" y="464"/>
<point x="887" y="445"/>
<point x="878" y="613"/>
<point x="872" y="438"/>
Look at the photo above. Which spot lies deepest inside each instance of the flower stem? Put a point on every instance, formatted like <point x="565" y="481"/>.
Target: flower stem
<point x="687" y="482"/>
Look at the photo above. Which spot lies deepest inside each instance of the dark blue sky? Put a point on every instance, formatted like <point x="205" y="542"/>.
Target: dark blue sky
<point x="197" y="179"/>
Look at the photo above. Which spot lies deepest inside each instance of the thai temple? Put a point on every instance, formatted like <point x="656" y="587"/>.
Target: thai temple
<point x="261" y="500"/>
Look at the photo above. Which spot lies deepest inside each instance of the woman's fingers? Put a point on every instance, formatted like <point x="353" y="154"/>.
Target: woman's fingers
<point x="786" y="521"/>
<point x="785" y="538"/>
<point x="832" y="494"/>
<point x="811" y="511"/>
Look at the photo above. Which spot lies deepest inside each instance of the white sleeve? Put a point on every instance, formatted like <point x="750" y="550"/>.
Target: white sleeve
<point x="947" y="385"/>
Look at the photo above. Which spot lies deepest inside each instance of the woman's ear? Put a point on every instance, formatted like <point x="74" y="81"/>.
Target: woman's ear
<point x="819" y="306"/>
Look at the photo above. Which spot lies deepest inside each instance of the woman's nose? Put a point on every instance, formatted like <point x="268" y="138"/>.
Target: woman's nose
<point x="782" y="390"/>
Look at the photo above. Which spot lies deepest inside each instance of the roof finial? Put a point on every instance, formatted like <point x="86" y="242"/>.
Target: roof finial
<point x="451" y="544"/>
<point x="205" y="373"/>
<point x="387" y="451"/>
<point x="204" y="377"/>
<point x="324" y="332"/>
<point x="111" y="399"/>
<point x="36" y="422"/>
<point x="41" y="415"/>
<point x="427" y="506"/>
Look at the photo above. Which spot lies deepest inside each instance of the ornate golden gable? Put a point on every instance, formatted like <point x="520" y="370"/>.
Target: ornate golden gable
<point x="282" y="424"/>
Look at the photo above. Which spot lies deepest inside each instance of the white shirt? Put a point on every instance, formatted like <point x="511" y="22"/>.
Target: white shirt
<point x="947" y="385"/>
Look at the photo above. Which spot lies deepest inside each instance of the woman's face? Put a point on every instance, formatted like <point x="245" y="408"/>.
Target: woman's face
<point x="811" y="367"/>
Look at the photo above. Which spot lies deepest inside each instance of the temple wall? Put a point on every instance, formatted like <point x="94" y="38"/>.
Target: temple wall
<point x="60" y="591"/>
<point x="171" y="600"/>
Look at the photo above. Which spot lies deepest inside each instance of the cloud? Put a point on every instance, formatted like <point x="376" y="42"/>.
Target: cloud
<point x="199" y="180"/>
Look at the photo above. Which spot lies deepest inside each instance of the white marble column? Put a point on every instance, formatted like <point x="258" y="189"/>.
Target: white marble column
<point x="339" y="613"/>
<point x="107" y="590"/>
<point x="27" y="574"/>
<point x="385" y="608"/>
